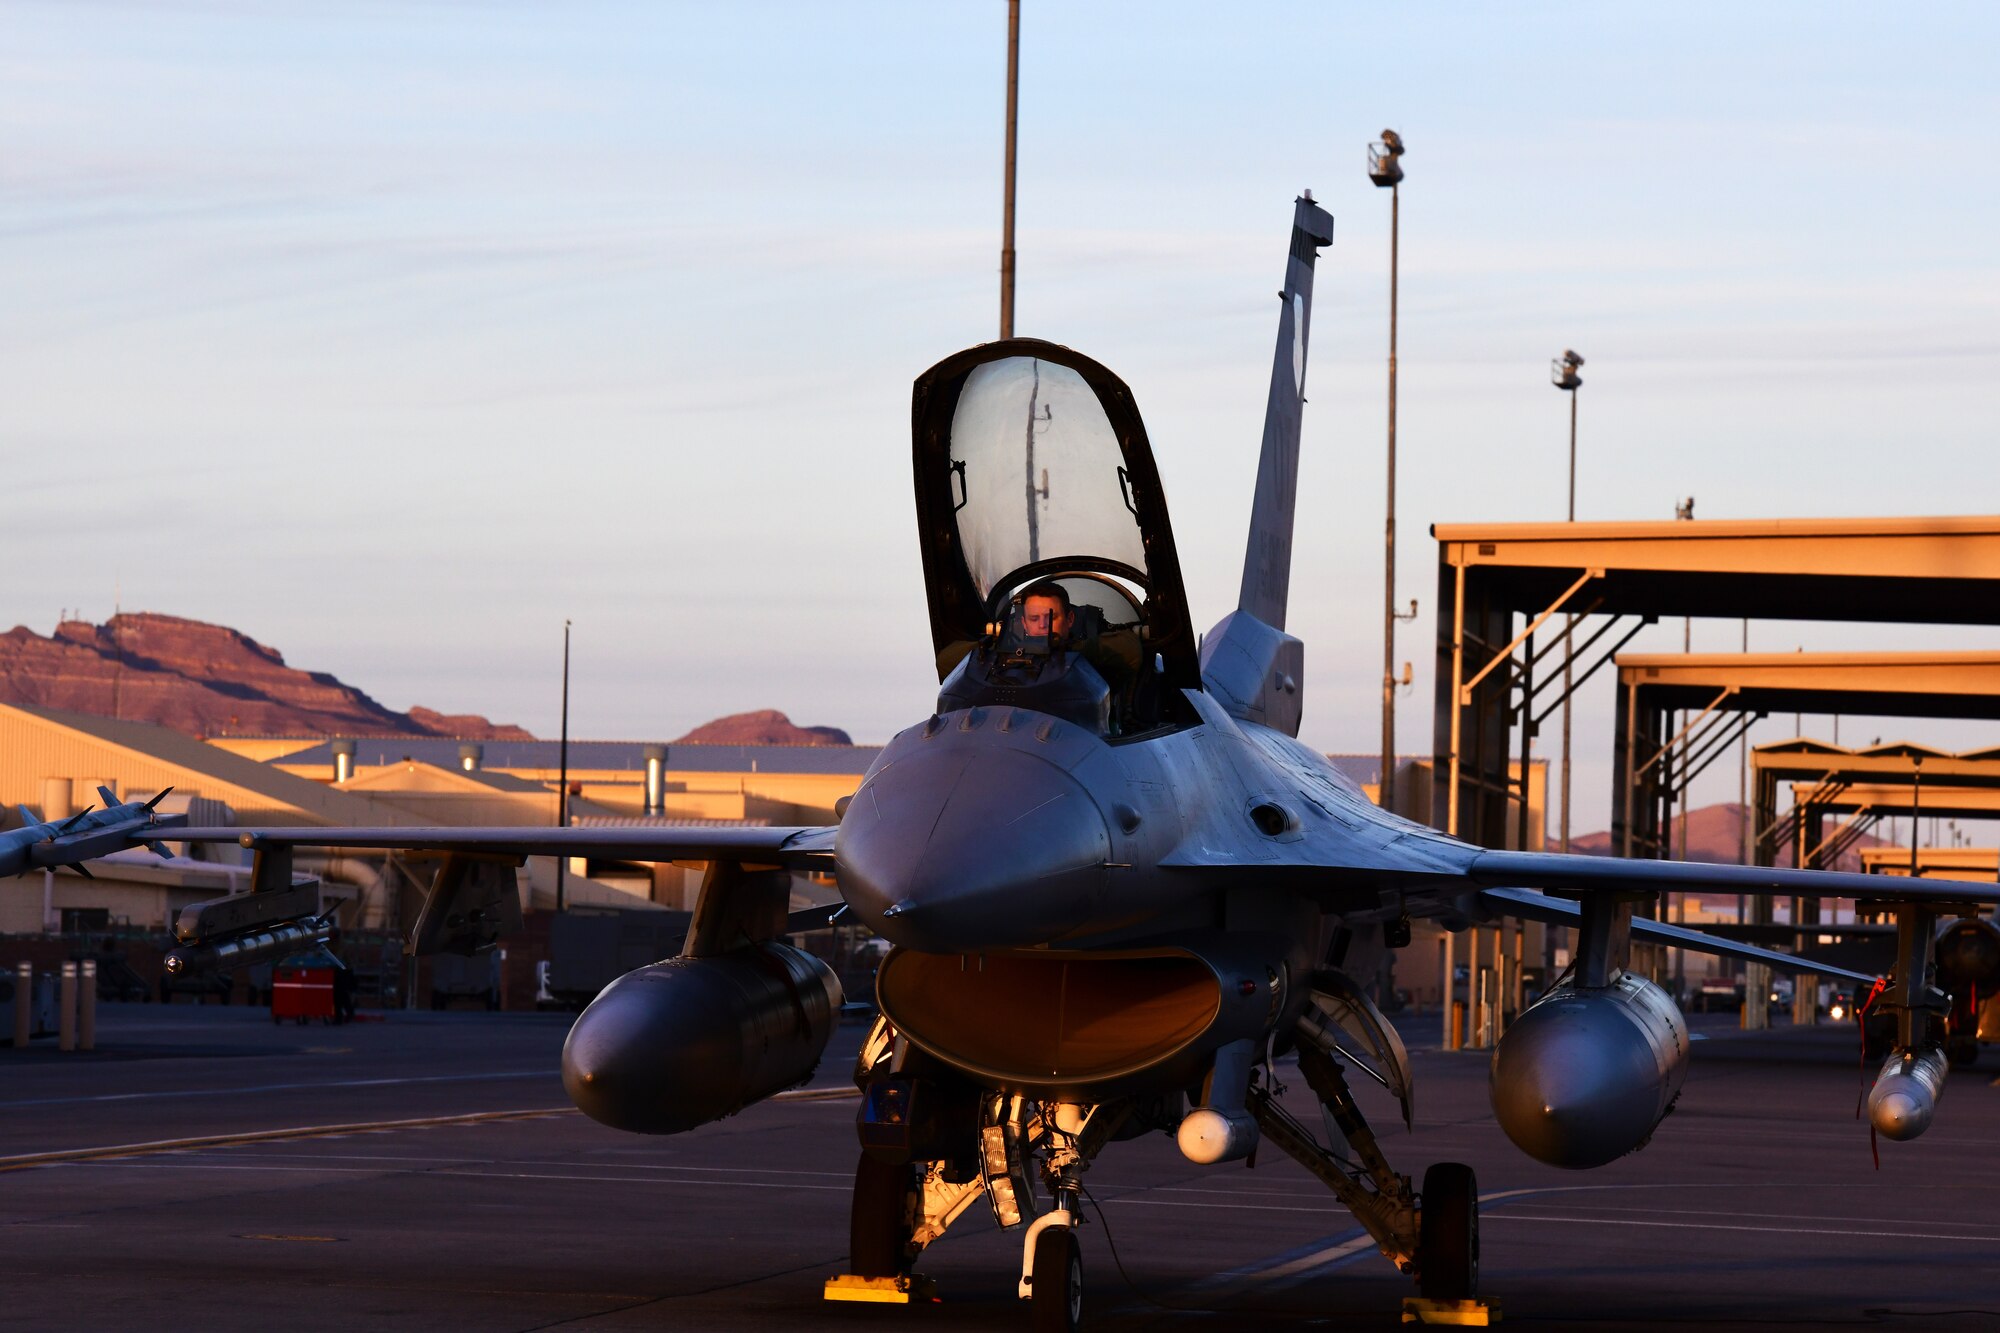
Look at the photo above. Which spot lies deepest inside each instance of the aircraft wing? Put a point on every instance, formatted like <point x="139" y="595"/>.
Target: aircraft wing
<point x="1584" y="874"/>
<point x="804" y="848"/>
<point x="1562" y="912"/>
<point x="1382" y="855"/>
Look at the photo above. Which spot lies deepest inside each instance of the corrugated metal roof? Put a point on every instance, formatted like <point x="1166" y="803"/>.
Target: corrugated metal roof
<point x="61" y="742"/>
<point x="1361" y="769"/>
<point x="1366" y="769"/>
<point x="1686" y="529"/>
<point x="662" y="821"/>
<point x="383" y="781"/>
<point x="600" y="756"/>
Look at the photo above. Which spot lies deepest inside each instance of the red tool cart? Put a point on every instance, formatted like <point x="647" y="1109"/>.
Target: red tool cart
<point x="306" y="986"/>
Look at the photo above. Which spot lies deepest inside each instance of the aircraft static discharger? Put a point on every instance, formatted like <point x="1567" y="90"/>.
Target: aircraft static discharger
<point x="1117" y="886"/>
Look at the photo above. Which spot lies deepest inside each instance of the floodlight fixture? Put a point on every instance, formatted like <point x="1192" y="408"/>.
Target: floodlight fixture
<point x="1385" y="160"/>
<point x="1562" y="371"/>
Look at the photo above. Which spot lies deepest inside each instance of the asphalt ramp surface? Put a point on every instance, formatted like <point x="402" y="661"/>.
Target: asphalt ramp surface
<point x="1757" y="1206"/>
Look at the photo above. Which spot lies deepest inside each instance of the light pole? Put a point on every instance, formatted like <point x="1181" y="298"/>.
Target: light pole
<point x="1007" y="205"/>
<point x="1385" y="168"/>
<point x="562" y="795"/>
<point x="1563" y="374"/>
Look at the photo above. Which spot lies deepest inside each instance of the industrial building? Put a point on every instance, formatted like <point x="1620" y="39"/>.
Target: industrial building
<point x="52" y="762"/>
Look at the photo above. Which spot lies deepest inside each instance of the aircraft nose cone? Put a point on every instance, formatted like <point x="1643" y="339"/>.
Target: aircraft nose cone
<point x="954" y="851"/>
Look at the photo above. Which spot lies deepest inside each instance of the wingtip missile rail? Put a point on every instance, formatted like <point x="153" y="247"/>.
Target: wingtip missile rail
<point x="86" y="835"/>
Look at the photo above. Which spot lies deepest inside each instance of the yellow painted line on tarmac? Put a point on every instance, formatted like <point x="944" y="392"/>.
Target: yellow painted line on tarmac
<point x="833" y="1094"/>
<point x="24" y="1161"/>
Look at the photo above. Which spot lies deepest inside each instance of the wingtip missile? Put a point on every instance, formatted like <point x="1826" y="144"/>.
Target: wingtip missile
<point x="84" y="836"/>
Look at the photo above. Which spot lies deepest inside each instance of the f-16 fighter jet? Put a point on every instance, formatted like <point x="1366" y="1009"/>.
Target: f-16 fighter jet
<point x="1117" y="887"/>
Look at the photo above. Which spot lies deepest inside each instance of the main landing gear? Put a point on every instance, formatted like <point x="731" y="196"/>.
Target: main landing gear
<point x="1432" y="1235"/>
<point x="1448" y="1234"/>
<point x="900" y="1208"/>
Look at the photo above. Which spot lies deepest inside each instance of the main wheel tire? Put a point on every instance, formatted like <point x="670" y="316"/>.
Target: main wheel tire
<point x="879" y="1224"/>
<point x="1448" y="1234"/>
<point x="1056" y="1302"/>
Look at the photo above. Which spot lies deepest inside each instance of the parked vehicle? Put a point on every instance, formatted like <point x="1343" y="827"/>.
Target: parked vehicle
<point x="456" y="977"/>
<point x="589" y="948"/>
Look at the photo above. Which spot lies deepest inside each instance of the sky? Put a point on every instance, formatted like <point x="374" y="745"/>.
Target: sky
<point x="395" y="334"/>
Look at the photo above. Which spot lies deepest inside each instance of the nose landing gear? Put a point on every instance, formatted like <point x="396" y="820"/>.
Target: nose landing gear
<point x="1051" y="1261"/>
<point x="1053" y="1283"/>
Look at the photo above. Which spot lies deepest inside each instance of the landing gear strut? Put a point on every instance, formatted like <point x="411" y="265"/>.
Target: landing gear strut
<point x="1432" y="1236"/>
<point x="1068" y="1136"/>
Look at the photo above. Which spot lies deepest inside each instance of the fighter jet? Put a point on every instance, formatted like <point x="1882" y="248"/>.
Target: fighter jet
<point x="1120" y="892"/>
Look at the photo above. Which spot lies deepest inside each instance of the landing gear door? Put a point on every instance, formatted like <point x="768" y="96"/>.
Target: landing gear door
<point x="1341" y="1018"/>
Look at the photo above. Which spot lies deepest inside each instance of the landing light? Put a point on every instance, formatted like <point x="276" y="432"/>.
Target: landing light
<point x="1837" y="1012"/>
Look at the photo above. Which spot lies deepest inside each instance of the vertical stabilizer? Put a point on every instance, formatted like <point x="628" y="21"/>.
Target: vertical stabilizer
<point x="1267" y="564"/>
<point x="1248" y="662"/>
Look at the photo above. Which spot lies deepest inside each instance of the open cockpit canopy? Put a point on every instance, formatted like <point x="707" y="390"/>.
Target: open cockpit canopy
<point x="1032" y="464"/>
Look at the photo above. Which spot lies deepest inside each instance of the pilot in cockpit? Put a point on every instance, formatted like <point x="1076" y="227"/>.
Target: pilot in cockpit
<point x="1055" y="655"/>
<point x="1046" y="622"/>
<point x="1046" y="617"/>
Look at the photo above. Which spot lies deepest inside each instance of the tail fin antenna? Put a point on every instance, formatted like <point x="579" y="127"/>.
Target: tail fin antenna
<point x="1267" y="564"/>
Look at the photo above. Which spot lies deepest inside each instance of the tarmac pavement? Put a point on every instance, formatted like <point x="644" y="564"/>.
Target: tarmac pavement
<point x="1758" y="1203"/>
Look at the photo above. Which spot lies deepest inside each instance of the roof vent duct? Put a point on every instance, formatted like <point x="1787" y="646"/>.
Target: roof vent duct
<point x="656" y="778"/>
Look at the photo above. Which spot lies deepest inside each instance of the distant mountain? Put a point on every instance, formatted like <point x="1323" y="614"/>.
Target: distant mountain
<point x="1715" y="834"/>
<point x="767" y="726"/>
<point x="204" y="680"/>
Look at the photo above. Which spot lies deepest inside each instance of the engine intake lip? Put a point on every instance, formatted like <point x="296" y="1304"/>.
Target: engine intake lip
<point x="1056" y="1022"/>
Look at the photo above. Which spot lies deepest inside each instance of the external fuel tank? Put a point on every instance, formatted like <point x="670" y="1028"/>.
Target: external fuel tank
<point x="1584" y="1076"/>
<point x="690" y="1040"/>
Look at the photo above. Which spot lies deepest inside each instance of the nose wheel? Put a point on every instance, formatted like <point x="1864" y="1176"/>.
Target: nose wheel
<point x="1056" y="1277"/>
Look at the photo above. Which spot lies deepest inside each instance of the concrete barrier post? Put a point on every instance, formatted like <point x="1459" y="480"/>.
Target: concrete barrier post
<point x="86" y="1007"/>
<point x="24" y="1005"/>
<point x="66" y="1010"/>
